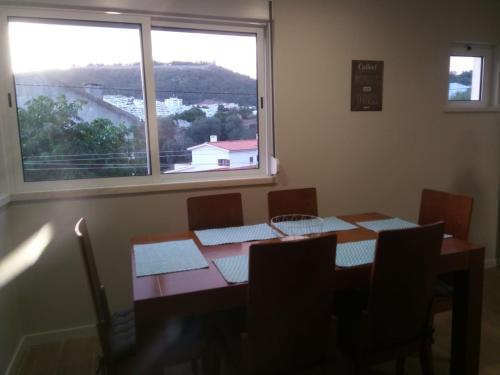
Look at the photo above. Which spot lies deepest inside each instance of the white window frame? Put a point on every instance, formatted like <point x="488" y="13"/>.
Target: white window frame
<point x="155" y="181"/>
<point x="484" y="51"/>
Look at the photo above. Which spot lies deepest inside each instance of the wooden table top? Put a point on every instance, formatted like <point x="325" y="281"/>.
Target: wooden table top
<point x="209" y="283"/>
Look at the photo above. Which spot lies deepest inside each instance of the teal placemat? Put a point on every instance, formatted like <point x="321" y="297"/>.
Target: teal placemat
<point x="386" y="224"/>
<point x="334" y="224"/>
<point x="220" y="236"/>
<point x="165" y="257"/>
<point x="233" y="269"/>
<point x="310" y="226"/>
<point x="352" y="254"/>
<point x="300" y="227"/>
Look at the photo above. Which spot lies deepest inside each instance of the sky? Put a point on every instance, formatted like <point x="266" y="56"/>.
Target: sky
<point x="36" y="47"/>
<point x="459" y="64"/>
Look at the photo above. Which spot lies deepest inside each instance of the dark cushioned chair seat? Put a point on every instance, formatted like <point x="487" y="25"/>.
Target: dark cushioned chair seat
<point x="122" y="334"/>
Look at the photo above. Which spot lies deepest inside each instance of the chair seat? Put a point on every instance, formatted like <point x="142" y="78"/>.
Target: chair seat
<point x="122" y="334"/>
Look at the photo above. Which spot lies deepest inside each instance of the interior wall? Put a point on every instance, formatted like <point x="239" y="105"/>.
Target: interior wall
<point x="359" y="162"/>
<point x="364" y="161"/>
<point x="10" y="317"/>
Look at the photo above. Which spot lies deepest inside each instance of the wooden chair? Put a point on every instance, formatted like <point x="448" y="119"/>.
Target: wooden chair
<point x="398" y="318"/>
<point x="292" y="201"/>
<point x="455" y="210"/>
<point x="120" y="353"/>
<point x="289" y="326"/>
<point x="215" y="211"/>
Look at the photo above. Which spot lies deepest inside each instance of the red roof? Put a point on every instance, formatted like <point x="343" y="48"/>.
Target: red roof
<point x="247" y="144"/>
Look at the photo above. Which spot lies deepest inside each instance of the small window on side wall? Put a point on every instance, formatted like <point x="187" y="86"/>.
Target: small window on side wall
<point x="469" y="76"/>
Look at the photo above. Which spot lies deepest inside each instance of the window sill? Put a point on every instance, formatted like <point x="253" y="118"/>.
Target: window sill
<point x="137" y="189"/>
<point x="471" y="110"/>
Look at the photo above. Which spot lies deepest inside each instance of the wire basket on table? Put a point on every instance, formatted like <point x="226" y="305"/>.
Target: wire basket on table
<point x="298" y="224"/>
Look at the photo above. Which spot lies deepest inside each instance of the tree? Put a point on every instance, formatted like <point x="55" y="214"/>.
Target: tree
<point x="464" y="78"/>
<point x="191" y="114"/>
<point x="201" y="130"/>
<point x="246" y="112"/>
<point x="44" y="124"/>
<point x="172" y="144"/>
<point x="58" y="144"/>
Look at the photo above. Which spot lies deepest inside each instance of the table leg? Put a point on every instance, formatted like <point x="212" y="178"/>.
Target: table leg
<point x="466" y="319"/>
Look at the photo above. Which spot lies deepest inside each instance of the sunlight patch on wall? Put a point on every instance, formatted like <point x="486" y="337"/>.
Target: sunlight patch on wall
<point x="25" y="255"/>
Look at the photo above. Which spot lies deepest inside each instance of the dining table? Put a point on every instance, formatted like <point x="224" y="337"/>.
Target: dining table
<point x="205" y="290"/>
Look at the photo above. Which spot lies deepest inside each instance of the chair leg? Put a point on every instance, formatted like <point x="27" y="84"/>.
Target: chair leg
<point x="426" y="361"/>
<point x="400" y="365"/>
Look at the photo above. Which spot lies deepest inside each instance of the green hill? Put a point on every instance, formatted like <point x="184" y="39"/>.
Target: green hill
<point x="192" y="82"/>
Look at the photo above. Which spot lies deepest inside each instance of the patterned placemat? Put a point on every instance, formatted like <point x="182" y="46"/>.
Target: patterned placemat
<point x="165" y="257"/>
<point x="233" y="269"/>
<point x="334" y="224"/>
<point x="245" y="233"/>
<point x="300" y="227"/>
<point x="310" y="226"/>
<point x="386" y="224"/>
<point x="352" y="254"/>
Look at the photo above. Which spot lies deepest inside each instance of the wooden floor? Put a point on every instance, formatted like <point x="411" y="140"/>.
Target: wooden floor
<point x="79" y="356"/>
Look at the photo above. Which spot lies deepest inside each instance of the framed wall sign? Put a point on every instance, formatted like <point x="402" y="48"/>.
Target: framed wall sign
<point x="366" y="85"/>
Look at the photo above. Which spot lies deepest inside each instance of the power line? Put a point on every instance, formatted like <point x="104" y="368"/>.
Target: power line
<point x="138" y="90"/>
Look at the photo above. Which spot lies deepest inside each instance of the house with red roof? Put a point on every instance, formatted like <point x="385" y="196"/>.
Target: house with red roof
<point x="215" y="154"/>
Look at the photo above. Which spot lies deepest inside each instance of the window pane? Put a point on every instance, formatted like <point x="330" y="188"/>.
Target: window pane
<point x="465" y="78"/>
<point x="75" y="82"/>
<point x="206" y="100"/>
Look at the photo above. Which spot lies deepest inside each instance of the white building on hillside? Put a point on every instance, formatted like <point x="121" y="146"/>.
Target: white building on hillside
<point x="168" y="107"/>
<point x="174" y="105"/>
<point x="214" y="155"/>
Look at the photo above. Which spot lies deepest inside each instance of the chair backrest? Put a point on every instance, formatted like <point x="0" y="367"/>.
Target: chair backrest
<point x="289" y="303"/>
<point x="97" y="290"/>
<point x="402" y="280"/>
<point x="455" y="210"/>
<point x="292" y="201"/>
<point x="215" y="211"/>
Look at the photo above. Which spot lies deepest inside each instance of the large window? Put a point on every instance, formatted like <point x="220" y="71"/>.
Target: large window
<point x="206" y="95"/>
<point x="67" y="76"/>
<point x="101" y="99"/>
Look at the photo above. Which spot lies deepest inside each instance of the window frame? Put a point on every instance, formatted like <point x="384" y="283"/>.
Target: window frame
<point x="485" y="51"/>
<point x="155" y="181"/>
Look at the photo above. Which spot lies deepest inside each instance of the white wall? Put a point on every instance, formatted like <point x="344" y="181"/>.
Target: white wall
<point x="359" y="162"/>
<point x="10" y="313"/>
<point x="207" y="157"/>
<point x="242" y="158"/>
<point x="381" y="160"/>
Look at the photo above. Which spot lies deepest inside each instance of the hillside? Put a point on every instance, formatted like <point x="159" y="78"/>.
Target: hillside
<point x="190" y="81"/>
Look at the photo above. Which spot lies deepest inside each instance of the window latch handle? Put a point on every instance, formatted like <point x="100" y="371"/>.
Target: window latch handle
<point x="9" y="98"/>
